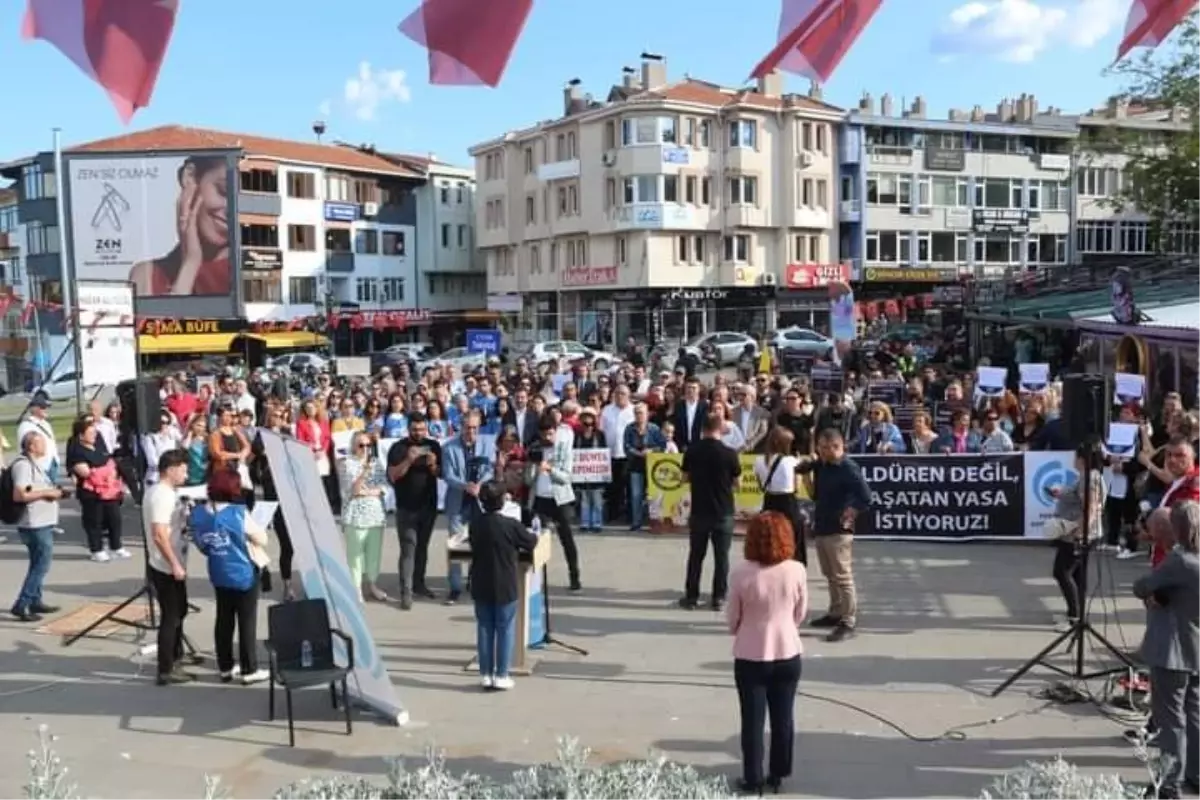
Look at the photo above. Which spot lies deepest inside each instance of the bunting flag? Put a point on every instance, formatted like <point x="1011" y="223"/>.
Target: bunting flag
<point x="1151" y="21"/>
<point x="814" y="35"/>
<point x="120" y="44"/>
<point x="469" y="42"/>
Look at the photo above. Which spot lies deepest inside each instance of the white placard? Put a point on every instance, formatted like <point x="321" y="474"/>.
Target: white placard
<point x="107" y="336"/>
<point x="320" y="566"/>
<point x="990" y="380"/>
<point x="591" y="465"/>
<point x="1122" y="437"/>
<point x="352" y="366"/>
<point x="341" y="443"/>
<point x="1035" y="378"/>
<point x="264" y="513"/>
<point x="1128" y="388"/>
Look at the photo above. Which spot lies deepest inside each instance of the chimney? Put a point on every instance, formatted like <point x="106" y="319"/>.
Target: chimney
<point x="958" y="115"/>
<point x="918" y="108"/>
<point x="1122" y="107"/>
<point x="654" y="71"/>
<point x="885" y="105"/>
<point x="1032" y="104"/>
<point x="1005" y="110"/>
<point x="816" y="91"/>
<point x="977" y="114"/>
<point x="572" y="93"/>
<point x="771" y="84"/>
<point x="629" y="78"/>
<point x="867" y="103"/>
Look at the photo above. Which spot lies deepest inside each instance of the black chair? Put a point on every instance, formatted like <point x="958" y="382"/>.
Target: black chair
<point x="289" y="626"/>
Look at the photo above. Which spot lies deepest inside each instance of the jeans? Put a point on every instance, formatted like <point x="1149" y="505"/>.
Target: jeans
<point x="237" y="610"/>
<point x="172" y="600"/>
<point x="637" y="499"/>
<point x="495" y="637"/>
<point x="1067" y="574"/>
<point x="1175" y="710"/>
<point x="414" y="529"/>
<point x="459" y="524"/>
<point x="591" y="508"/>
<point x="767" y="689"/>
<point x="40" y="544"/>
<point x="101" y="519"/>
<point x="700" y="534"/>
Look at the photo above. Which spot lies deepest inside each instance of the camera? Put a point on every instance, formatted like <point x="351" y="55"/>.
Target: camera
<point x="535" y="455"/>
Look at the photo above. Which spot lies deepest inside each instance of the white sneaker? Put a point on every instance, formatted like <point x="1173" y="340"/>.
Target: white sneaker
<point x="1125" y="555"/>
<point x="120" y="553"/>
<point x="101" y="557"/>
<point x="258" y="676"/>
<point x="503" y="684"/>
<point x="487" y="682"/>
<point x="1063" y="625"/>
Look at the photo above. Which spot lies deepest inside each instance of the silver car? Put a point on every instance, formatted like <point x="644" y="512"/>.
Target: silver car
<point x="801" y="340"/>
<point x="723" y="347"/>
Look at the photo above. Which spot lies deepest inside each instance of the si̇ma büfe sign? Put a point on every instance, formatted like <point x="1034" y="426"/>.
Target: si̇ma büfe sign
<point x="944" y="496"/>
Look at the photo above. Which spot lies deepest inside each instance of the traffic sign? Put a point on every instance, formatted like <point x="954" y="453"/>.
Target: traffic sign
<point x="483" y="341"/>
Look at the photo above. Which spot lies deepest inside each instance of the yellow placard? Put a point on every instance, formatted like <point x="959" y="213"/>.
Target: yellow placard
<point x="669" y="496"/>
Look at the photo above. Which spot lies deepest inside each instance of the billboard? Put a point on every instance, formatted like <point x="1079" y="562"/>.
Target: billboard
<point x="165" y="222"/>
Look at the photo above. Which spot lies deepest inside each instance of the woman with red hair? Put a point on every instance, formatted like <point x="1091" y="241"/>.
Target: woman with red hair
<point x="768" y="601"/>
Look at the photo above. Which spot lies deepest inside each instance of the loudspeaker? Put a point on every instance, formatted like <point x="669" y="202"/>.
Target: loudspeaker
<point x="141" y="406"/>
<point x="1086" y="406"/>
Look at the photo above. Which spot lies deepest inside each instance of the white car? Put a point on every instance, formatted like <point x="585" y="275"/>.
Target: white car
<point x="458" y="357"/>
<point x="724" y="347"/>
<point x="62" y="388"/>
<point x="801" y="340"/>
<point x="542" y="352"/>
<point x="299" y="362"/>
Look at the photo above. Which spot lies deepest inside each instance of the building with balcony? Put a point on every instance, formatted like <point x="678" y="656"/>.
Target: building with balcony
<point x="17" y="340"/>
<point x="322" y="227"/>
<point x="666" y="209"/>
<point x="926" y="201"/>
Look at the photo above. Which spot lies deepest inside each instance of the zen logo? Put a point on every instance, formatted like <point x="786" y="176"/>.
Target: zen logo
<point x="109" y="210"/>
<point x="108" y="246"/>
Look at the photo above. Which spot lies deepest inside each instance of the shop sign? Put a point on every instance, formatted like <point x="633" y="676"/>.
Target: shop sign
<point x="181" y="327"/>
<point x="815" y="276"/>
<point x="341" y="212"/>
<point x="577" y="277"/>
<point x="694" y="295"/>
<point x="909" y="275"/>
<point x="257" y="258"/>
<point x="986" y="220"/>
<point x="945" y="159"/>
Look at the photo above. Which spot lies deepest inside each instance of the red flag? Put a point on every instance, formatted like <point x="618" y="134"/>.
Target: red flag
<point x="814" y="35"/>
<point x="469" y="42"/>
<point x="296" y="324"/>
<point x="120" y="44"/>
<point x="27" y="313"/>
<point x="1151" y="21"/>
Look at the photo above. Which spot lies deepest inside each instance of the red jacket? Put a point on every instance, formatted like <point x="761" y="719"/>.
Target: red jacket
<point x="308" y="433"/>
<point x="1187" y="488"/>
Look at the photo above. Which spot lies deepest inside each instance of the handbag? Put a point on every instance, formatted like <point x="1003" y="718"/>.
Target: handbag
<point x="770" y="474"/>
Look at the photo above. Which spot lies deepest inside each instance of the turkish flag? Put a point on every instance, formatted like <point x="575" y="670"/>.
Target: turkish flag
<point x="469" y="42"/>
<point x="120" y="44"/>
<point x="814" y="36"/>
<point x="1151" y="21"/>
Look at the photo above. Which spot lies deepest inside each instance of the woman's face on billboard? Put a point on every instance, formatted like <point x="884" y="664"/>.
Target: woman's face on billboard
<point x="211" y="191"/>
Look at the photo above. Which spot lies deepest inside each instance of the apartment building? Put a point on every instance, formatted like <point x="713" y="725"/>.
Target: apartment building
<point x="665" y="209"/>
<point x="1108" y="231"/>
<point x="17" y="341"/>
<point x="926" y="201"/>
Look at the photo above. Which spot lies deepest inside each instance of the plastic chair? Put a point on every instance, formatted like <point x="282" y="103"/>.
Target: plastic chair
<point x="289" y="626"/>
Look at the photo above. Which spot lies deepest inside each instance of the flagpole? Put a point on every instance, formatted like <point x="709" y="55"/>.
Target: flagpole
<point x="70" y="319"/>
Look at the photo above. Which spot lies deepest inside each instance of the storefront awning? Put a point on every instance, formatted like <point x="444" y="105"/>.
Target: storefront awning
<point x="198" y="343"/>
<point x="283" y="340"/>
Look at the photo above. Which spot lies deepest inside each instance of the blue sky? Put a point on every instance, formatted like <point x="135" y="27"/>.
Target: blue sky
<point x="271" y="68"/>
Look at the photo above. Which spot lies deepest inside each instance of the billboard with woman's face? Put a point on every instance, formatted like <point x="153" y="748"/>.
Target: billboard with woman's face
<point x="167" y="222"/>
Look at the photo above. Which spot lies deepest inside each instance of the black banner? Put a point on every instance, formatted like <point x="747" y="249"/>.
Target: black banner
<point x="944" y="496"/>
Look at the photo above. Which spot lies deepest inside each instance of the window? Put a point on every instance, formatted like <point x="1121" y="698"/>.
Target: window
<point x="337" y="240"/>
<point x="667" y="129"/>
<point x="610" y="135"/>
<point x="998" y="248"/>
<point x="806" y="192"/>
<point x="263" y="181"/>
<point x="640" y="189"/>
<point x="1050" y="195"/>
<point x="366" y="290"/>
<point x="573" y="199"/>
<point x="1098" y="181"/>
<point x="949" y="192"/>
<point x="463" y="237"/>
<point x="743" y="133"/>
<point x="622" y="251"/>
<point x="41" y="239"/>
<point x="302" y="237"/>
<point x="530" y="166"/>
<point x="872" y="247"/>
<point x="698" y="244"/>
<point x="444" y="194"/>
<point x="560" y="147"/>
<point x="847" y="188"/>
<point x="689" y="189"/>
<point x="943" y="247"/>
<point x="822" y="193"/>
<point x="302" y="185"/>
<point x="9" y="219"/>
<point x="683" y="249"/>
<point x="689" y="131"/>
<point x="1017" y="194"/>
<point x="924" y="245"/>
<point x="1096" y="236"/>
<point x="643" y="130"/>
<point x="670" y="188"/>
<point x="705" y="192"/>
<point x="882" y="189"/>
<point x="1135" y="237"/>
<point x="391" y="290"/>
<point x="256" y="235"/>
<point x="993" y="193"/>
<point x="1052" y="248"/>
<point x="806" y="136"/>
<point x="737" y="248"/>
<point x="743" y="189"/>
<point x="705" y="133"/>
<point x="337" y="188"/>
<point x="262" y="288"/>
<point x="35" y="183"/>
<point x="800" y="247"/>
<point x="553" y="262"/>
<point x="530" y="210"/>
<point x="393" y="243"/>
<point x="366" y="241"/>
<point x="814" y="248"/>
<point x="887" y="247"/>
<point x="302" y="291"/>
<point x="445" y="235"/>
<point x="822" y="132"/>
<point x="460" y="193"/>
<point x="563" y="208"/>
<point x="535" y="260"/>
<point x="493" y="167"/>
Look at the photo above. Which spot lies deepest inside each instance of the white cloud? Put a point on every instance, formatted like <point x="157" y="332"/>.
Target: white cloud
<point x="370" y="89"/>
<point x="325" y="108"/>
<point x="1019" y="30"/>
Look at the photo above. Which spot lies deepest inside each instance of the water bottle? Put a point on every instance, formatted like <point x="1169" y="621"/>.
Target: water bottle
<point x="536" y="527"/>
<point x="306" y="659"/>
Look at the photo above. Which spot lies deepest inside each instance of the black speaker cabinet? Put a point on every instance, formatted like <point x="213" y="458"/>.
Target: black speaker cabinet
<point x="141" y="406"/>
<point x="1086" y="406"/>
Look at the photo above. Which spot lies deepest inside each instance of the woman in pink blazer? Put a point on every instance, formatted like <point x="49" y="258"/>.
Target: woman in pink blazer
<point x="768" y="600"/>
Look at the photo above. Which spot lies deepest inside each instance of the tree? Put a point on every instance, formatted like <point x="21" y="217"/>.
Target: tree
<point x="1162" y="179"/>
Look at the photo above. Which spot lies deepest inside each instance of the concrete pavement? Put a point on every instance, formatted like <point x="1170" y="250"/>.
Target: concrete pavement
<point x="941" y="625"/>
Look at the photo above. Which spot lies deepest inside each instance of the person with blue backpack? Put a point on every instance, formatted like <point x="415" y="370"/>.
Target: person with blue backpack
<point x="234" y="546"/>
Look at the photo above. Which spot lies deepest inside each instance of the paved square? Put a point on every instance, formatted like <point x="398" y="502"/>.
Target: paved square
<point x="941" y="625"/>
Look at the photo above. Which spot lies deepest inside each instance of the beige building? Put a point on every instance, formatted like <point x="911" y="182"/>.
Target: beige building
<point x="668" y="209"/>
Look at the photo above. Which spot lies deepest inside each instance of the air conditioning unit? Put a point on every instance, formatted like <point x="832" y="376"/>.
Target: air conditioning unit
<point x="767" y="279"/>
<point x="370" y="209"/>
<point x="805" y="159"/>
<point x="609" y="159"/>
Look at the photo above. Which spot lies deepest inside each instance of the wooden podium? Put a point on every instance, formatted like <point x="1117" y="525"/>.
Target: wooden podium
<point x="531" y="602"/>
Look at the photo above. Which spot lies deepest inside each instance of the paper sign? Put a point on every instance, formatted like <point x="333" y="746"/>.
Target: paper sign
<point x="1034" y="377"/>
<point x="1122" y="436"/>
<point x="591" y="465"/>
<point x="264" y="513"/>
<point x="990" y="380"/>
<point x="1128" y="388"/>
<point x="341" y="443"/>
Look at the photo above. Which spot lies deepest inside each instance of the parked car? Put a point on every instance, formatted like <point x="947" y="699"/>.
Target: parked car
<point x="299" y="362"/>
<point x="801" y="340"/>
<point x="62" y="388"/>
<point x="411" y="353"/>
<point x="458" y="357"/>
<point x="720" y="347"/>
<point x="542" y="352"/>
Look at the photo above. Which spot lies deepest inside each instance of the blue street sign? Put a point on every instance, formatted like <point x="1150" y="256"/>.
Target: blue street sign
<point x="483" y="340"/>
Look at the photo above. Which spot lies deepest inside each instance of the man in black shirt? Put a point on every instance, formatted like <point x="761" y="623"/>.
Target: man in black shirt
<point x="712" y="469"/>
<point x="413" y="471"/>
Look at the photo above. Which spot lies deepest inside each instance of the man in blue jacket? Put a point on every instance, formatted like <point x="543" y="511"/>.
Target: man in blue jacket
<point x="468" y="462"/>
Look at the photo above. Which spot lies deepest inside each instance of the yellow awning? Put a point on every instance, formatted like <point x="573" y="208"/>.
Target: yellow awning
<point x="283" y="340"/>
<point x="199" y="343"/>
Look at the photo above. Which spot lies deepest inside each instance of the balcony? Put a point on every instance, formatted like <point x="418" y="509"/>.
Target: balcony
<point x="7" y="241"/>
<point x="850" y="211"/>
<point x="811" y="217"/>
<point x="269" y="205"/>
<point x="744" y="215"/>
<point x="652" y="216"/>
<point x="558" y="170"/>
<point x="339" y="262"/>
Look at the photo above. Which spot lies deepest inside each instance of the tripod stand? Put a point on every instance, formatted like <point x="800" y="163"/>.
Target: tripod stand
<point x="1081" y="627"/>
<point x="550" y="639"/>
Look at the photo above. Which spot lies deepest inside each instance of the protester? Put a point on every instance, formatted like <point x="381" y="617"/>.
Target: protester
<point x="775" y="471"/>
<point x="164" y="437"/>
<point x="467" y="463"/>
<point x="164" y="519"/>
<point x="1066" y="528"/>
<point x="265" y="479"/>
<point x="548" y="475"/>
<point x="363" y="518"/>
<point x="641" y="438"/>
<point x="100" y="490"/>
<point x="38" y="497"/>
<point x="413" y="465"/>
<point x="712" y="469"/>
<point x="614" y="419"/>
<point x="590" y="494"/>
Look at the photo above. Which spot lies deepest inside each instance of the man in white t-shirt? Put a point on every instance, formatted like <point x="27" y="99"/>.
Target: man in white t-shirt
<point x="35" y="421"/>
<point x="164" y="518"/>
